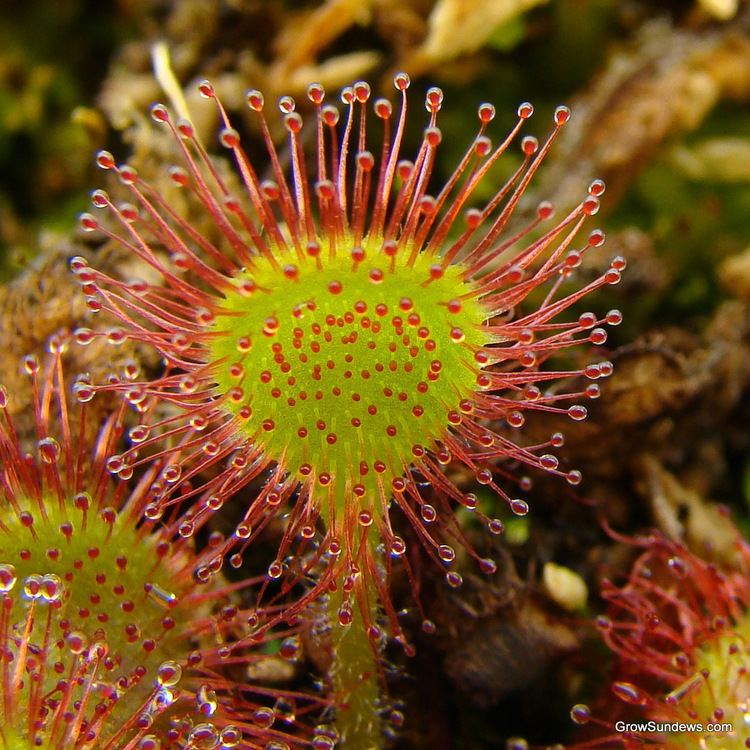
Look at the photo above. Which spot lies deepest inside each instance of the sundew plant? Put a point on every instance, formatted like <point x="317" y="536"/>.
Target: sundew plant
<point x="355" y="330"/>
<point x="107" y="638"/>
<point x="678" y="627"/>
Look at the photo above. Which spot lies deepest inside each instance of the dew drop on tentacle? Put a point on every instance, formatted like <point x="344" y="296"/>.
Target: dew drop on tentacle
<point x="8" y="577"/>
<point x="630" y="693"/>
<point x="580" y="713"/>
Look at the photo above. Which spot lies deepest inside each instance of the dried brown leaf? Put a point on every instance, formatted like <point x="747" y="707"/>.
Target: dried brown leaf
<point x="302" y="39"/>
<point x="734" y="274"/>
<point x="457" y="27"/>
<point x="685" y="516"/>
<point x="665" y="82"/>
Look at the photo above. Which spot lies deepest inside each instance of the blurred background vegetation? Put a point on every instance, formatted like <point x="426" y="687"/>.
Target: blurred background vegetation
<point x="660" y="92"/>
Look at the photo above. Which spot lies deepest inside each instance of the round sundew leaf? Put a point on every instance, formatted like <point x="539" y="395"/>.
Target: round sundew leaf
<point x="345" y="335"/>
<point x="105" y="585"/>
<point x="110" y="634"/>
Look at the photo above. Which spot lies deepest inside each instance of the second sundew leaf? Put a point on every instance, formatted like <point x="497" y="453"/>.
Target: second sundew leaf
<point x="108" y="639"/>
<point x="678" y="628"/>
